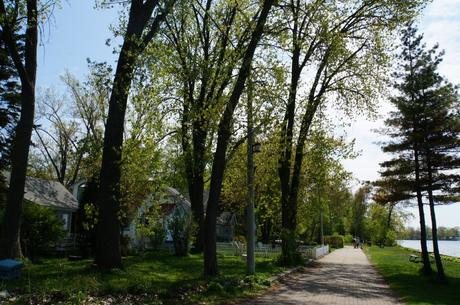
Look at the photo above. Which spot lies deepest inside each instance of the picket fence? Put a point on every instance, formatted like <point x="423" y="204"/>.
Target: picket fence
<point x="261" y="250"/>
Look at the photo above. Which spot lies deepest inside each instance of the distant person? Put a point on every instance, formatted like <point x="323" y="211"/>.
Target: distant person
<point x="354" y="242"/>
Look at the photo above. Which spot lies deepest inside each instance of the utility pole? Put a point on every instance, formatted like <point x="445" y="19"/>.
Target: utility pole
<point x="250" y="225"/>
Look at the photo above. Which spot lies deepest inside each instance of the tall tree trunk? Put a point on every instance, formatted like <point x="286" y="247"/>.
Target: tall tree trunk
<point x="135" y="40"/>
<point x="9" y="239"/>
<point x="388" y="223"/>
<point x="108" y="227"/>
<point x="434" y="229"/>
<point x="223" y="137"/>
<point x="199" y="149"/>
<point x="425" y="258"/>
<point x="196" y="190"/>
<point x="288" y="212"/>
<point x="194" y="154"/>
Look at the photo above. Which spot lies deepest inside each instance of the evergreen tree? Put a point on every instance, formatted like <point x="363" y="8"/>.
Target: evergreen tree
<point x="10" y="90"/>
<point x="440" y="134"/>
<point x="425" y="131"/>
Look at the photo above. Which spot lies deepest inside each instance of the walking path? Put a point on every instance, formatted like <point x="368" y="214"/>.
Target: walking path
<point x="343" y="277"/>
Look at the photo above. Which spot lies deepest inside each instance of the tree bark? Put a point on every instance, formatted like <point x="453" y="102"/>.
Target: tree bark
<point x="9" y="239"/>
<point x="288" y="212"/>
<point x="425" y="258"/>
<point x="108" y="227"/>
<point x="223" y="137"/>
<point x="434" y="229"/>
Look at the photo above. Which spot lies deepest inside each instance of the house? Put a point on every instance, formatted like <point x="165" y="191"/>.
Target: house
<point x="51" y="194"/>
<point x="225" y="224"/>
<point x="171" y="202"/>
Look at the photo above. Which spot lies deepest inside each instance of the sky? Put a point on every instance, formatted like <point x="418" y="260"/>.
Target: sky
<point x="79" y="31"/>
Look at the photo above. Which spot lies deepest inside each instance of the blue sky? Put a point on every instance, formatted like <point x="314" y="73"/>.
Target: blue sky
<point x="78" y="31"/>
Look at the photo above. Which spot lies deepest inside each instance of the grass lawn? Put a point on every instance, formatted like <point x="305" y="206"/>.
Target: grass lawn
<point x="154" y="278"/>
<point x="405" y="277"/>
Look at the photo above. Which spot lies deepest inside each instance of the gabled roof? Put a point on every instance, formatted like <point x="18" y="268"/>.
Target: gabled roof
<point x="47" y="193"/>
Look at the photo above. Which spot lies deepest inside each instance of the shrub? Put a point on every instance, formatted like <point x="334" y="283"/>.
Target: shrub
<point x="40" y="230"/>
<point x="335" y="241"/>
<point x="390" y="239"/>
<point x="348" y="239"/>
<point x="181" y="227"/>
<point x="150" y="226"/>
<point x="289" y="256"/>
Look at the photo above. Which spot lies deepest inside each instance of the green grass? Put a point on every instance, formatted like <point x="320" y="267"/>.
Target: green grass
<point x="156" y="275"/>
<point x="405" y="277"/>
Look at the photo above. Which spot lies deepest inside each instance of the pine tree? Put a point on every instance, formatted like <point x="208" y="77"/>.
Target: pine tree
<point x="10" y="95"/>
<point x="440" y="131"/>
<point x="425" y="130"/>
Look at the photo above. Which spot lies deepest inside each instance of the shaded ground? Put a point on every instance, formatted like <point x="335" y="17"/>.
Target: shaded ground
<point x="343" y="277"/>
<point x="154" y="278"/>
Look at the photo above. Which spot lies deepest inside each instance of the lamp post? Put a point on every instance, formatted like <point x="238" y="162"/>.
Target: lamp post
<point x="318" y="195"/>
<point x="251" y="223"/>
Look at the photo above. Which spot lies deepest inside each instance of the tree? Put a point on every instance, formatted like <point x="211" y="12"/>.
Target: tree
<point x="426" y="133"/>
<point x="342" y="47"/>
<point x="223" y="138"/>
<point x="17" y="16"/>
<point x="439" y="132"/>
<point x="57" y="138"/>
<point x="10" y="94"/>
<point x="144" y="21"/>
<point x="206" y="46"/>
<point x="391" y="191"/>
<point x="324" y="190"/>
<point x="358" y="211"/>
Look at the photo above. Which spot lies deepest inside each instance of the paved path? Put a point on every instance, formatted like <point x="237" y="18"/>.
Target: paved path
<point x="344" y="277"/>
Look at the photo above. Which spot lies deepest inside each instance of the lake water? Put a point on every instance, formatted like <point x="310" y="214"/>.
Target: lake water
<point x="447" y="247"/>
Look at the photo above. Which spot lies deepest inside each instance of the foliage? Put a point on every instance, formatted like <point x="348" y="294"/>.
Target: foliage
<point x="425" y="132"/>
<point x="335" y="241"/>
<point x="10" y="89"/>
<point x="40" y="230"/>
<point x="348" y="238"/>
<point x="182" y="227"/>
<point x="150" y="226"/>
<point x="444" y="233"/>
<point x="289" y="258"/>
<point x="404" y="277"/>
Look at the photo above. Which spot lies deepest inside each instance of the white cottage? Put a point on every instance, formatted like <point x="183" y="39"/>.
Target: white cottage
<point x="51" y="194"/>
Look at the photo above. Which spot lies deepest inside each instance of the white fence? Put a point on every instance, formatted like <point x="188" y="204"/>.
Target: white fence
<point x="261" y="250"/>
<point x="264" y="250"/>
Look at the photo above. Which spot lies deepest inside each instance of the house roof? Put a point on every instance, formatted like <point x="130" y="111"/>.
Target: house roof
<point x="178" y="196"/>
<point x="47" y="193"/>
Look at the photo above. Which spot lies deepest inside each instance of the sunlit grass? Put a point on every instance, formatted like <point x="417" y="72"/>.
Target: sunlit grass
<point x="405" y="277"/>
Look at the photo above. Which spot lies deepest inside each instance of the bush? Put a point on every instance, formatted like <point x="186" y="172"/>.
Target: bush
<point x="390" y="239"/>
<point x="334" y="241"/>
<point x="181" y="227"/>
<point x="150" y="226"/>
<point x="289" y="254"/>
<point x="40" y="230"/>
<point x="348" y="239"/>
